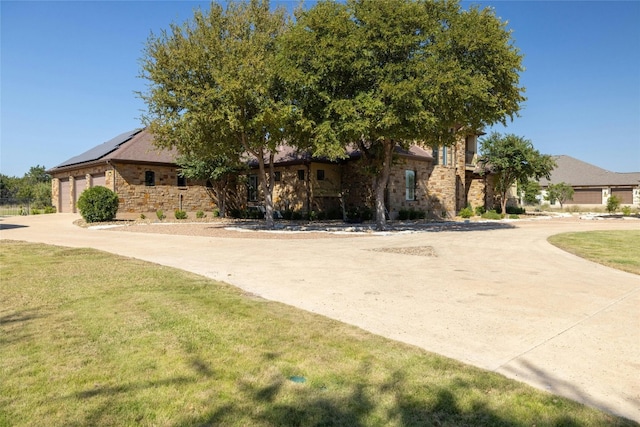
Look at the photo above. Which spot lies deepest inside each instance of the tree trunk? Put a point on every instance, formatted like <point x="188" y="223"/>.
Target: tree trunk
<point x="503" y="203"/>
<point x="380" y="184"/>
<point x="266" y="183"/>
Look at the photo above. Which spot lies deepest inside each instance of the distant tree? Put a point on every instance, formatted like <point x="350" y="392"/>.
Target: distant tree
<point x="530" y="192"/>
<point x="561" y="192"/>
<point x="213" y="88"/>
<point x="512" y="159"/>
<point x="218" y="171"/>
<point x="613" y="203"/>
<point x="387" y="73"/>
<point x="34" y="186"/>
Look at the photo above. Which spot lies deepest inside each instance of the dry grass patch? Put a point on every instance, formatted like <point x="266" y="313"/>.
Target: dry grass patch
<point x="88" y="338"/>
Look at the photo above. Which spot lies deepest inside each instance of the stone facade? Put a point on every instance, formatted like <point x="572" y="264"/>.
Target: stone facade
<point x="440" y="185"/>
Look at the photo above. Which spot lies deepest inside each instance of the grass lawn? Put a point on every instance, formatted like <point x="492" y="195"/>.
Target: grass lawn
<point x="89" y="338"/>
<point x="617" y="249"/>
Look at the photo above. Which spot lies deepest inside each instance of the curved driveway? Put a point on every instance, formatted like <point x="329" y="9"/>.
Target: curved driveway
<point x="497" y="297"/>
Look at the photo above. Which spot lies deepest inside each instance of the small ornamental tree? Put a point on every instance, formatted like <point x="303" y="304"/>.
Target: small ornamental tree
<point x="613" y="203"/>
<point x="98" y="204"/>
<point x="560" y="192"/>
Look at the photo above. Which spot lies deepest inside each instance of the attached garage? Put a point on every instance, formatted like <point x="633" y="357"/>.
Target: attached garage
<point x="81" y="185"/>
<point x="624" y="194"/>
<point x="64" y="197"/>
<point x="99" y="180"/>
<point x="587" y="196"/>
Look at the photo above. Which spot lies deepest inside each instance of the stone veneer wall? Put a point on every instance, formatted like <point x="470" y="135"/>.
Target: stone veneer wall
<point x="88" y="174"/>
<point x="165" y="195"/>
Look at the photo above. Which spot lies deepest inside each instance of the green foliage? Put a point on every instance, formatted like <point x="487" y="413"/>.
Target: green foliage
<point x="49" y="209"/>
<point x="216" y="212"/>
<point x="98" y="204"/>
<point x="512" y="159"/>
<point x="626" y="210"/>
<point x="492" y="214"/>
<point x="514" y="216"/>
<point x="160" y="214"/>
<point x="480" y="210"/>
<point x="200" y="214"/>
<point x="613" y="203"/>
<point x="359" y="214"/>
<point x="466" y="212"/>
<point x="512" y="210"/>
<point x="213" y="87"/>
<point x="34" y="186"/>
<point x="530" y="192"/>
<point x="397" y="72"/>
<point x="561" y="192"/>
<point x="411" y="214"/>
<point x="143" y="216"/>
<point x="180" y="214"/>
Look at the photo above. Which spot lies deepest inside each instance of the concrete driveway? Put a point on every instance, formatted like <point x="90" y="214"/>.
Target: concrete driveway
<point x="497" y="297"/>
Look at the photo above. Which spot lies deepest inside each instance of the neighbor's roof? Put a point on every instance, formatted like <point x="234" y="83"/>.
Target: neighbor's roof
<point x="135" y="146"/>
<point x="578" y="173"/>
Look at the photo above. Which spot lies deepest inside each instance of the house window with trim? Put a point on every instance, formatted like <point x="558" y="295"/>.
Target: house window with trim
<point x="444" y="156"/>
<point x="300" y="174"/>
<point x="182" y="180"/>
<point x="252" y="188"/>
<point x="320" y="174"/>
<point x="149" y="178"/>
<point x="434" y="154"/>
<point x="410" y="184"/>
<point x="277" y="176"/>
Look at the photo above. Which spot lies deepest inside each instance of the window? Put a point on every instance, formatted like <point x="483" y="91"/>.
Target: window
<point x="149" y="178"/>
<point x="444" y="156"/>
<point x="300" y="174"/>
<point x="182" y="181"/>
<point x="277" y="176"/>
<point x="434" y="154"/>
<point x="320" y="174"/>
<point x="410" y="184"/>
<point x="252" y="188"/>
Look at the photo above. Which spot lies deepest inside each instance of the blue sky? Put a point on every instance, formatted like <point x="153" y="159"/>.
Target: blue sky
<point x="69" y="72"/>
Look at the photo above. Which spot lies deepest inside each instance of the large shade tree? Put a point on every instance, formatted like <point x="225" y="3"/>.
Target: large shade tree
<point x="387" y="73"/>
<point x="213" y="87"/>
<point x="513" y="160"/>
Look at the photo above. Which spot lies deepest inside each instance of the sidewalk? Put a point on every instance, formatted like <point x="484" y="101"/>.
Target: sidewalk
<point x="502" y="298"/>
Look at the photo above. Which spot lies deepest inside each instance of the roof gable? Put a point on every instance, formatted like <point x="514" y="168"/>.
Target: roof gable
<point x="578" y="173"/>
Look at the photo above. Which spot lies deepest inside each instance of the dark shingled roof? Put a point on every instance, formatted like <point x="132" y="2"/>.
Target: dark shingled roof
<point x="578" y="173"/>
<point x="137" y="146"/>
<point x="133" y="146"/>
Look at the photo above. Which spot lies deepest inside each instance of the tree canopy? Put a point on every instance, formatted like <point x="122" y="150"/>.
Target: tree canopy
<point x="512" y="159"/>
<point x="374" y="74"/>
<point x="213" y="86"/>
<point x="384" y="73"/>
<point x="561" y="192"/>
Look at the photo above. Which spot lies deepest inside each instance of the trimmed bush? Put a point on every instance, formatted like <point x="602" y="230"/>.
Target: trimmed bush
<point x="480" y="210"/>
<point x="160" y="214"/>
<point x="492" y="214"/>
<point x="180" y="214"/>
<point x="200" y="214"/>
<point x="98" y="204"/>
<point x="466" y="213"/>
<point x="613" y="203"/>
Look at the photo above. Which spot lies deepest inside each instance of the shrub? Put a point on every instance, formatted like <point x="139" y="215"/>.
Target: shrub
<point x="514" y="216"/>
<point x="49" y="209"/>
<point x="143" y="216"/>
<point x="35" y="211"/>
<point x="626" y="210"/>
<point x="180" y="214"/>
<point x="216" y="212"/>
<point x="160" y="214"/>
<point x="480" y="210"/>
<point x="512" y="210"/>
<point x="410" y="214"/>
<point x="200" y="214"/>
<point x="492" y="214"/>
<point x="613" y="203"/>
<point x="466" y="212"/>
<point x="98" y="204"/>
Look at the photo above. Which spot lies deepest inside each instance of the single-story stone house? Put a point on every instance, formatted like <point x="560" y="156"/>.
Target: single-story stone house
<point x="440" y="181"/>
<point x="593" y="185"/>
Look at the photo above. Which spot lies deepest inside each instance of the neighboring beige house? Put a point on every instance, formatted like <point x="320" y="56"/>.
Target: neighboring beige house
<point x="439" y="182"/>
<point x="593" y="185"/>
